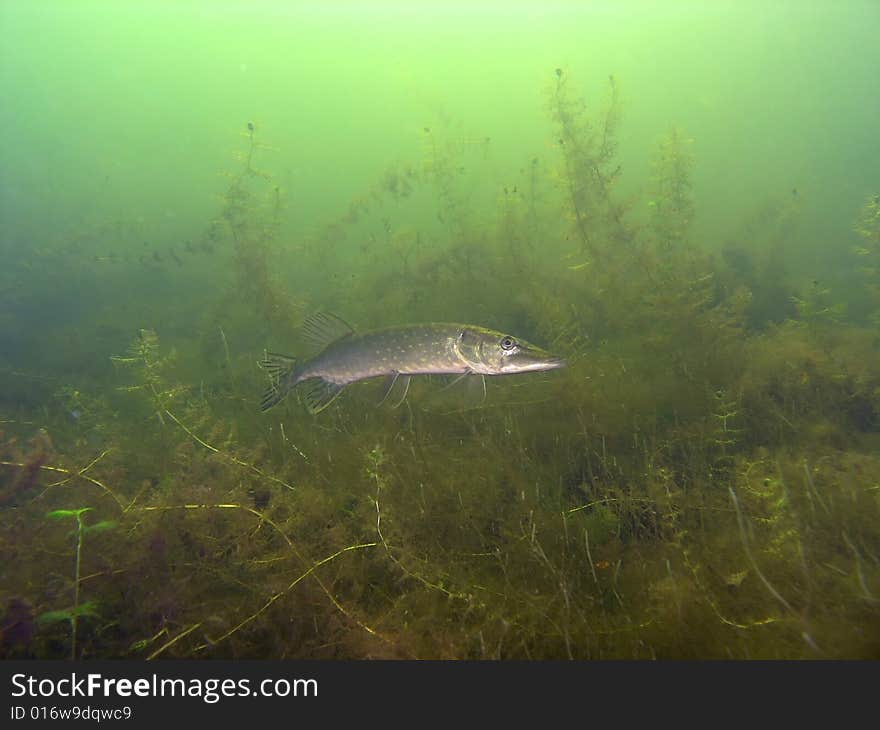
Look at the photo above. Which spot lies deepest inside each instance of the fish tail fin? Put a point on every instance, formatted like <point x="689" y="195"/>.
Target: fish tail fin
<point x="280" y="369"/>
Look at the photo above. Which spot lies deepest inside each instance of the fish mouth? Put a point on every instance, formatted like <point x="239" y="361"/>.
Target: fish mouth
<point x="543" y="363"/>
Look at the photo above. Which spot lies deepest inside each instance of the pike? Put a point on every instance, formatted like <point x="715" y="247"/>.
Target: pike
<point x="345" y="356"/>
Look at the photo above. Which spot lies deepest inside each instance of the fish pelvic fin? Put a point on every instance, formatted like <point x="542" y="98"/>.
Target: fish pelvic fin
<point x="392" y="380"/>
<point x="405" y="380"/>
<point x="279" y="368"/>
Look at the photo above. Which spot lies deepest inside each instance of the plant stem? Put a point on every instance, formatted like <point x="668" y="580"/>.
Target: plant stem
<point x="74" y="619"/>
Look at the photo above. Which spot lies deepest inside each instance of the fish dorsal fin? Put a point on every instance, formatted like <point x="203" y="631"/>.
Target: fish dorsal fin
<point x="318" y="393"/>
<point x="322" y="328"/>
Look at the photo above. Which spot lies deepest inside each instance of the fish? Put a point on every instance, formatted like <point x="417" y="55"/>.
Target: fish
<point x="398" y="353"/>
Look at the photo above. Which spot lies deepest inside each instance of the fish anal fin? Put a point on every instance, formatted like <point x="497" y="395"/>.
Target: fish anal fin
<point x="322" y="328"/>
<point x="318" y="393"/>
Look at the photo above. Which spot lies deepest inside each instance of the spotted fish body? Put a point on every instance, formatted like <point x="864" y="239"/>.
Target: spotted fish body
<point x="397" y="353"/>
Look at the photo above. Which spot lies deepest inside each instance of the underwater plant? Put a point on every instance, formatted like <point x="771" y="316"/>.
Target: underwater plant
<point x="868" y="229"/>
<point x="150" y="369"/>
<point x="701" y="481"/>
<point x="77" y="610"/>
<point x="588" y="147"/>
<point x="251" y="210"/>
<point x="868" y="225"/>
<point x="671" y="203"/>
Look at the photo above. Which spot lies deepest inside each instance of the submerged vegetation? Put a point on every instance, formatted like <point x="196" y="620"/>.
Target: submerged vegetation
<point x="703" y="480"/>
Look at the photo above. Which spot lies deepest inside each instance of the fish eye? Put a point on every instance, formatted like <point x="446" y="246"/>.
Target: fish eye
<point x="507" y="343"/>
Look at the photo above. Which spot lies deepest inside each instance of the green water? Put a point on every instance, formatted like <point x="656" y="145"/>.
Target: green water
<point x="680" y="198"/>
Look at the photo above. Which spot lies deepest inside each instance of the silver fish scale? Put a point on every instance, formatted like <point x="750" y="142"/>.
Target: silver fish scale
<point x="412" y="350"/>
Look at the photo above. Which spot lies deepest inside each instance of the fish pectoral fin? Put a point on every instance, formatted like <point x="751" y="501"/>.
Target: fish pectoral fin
<point x="470" y="378"/>
<point x="469" y="396"/>
<point x="455" y="381"/>
<point x="475" y="388"/>
<point x="318" y="393"/>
